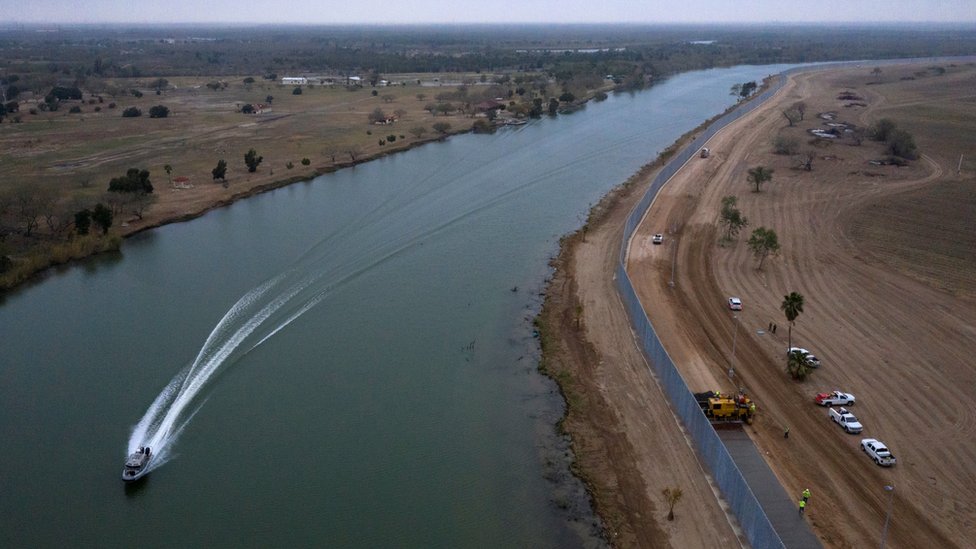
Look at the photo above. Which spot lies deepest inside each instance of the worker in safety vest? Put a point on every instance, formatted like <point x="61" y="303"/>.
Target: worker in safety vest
<point x="803" y="504"/>
<point x="806" y="494"/>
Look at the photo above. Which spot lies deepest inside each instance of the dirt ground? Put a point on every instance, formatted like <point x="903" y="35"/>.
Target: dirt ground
<point x="887" y="326"/>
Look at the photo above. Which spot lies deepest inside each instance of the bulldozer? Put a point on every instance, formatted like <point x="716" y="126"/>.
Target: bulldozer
<point x="726" y="408"/>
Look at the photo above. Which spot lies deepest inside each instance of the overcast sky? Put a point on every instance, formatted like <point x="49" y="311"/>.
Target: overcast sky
<point x="482" y="11"/>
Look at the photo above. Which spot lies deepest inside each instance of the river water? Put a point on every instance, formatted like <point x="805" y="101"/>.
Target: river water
<point x="343" y="362"/>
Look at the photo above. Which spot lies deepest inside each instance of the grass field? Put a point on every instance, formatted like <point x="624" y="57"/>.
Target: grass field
<point x="70" y="157"/>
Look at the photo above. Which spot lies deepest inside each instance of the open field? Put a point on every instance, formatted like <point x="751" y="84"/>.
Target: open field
<point x="866" y="245"/>
<point x="63" y="161"/>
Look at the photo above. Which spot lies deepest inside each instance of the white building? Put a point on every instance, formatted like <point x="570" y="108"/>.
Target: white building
<point x="299" y="80"/>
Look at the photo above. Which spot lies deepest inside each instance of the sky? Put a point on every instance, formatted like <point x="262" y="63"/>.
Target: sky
<point x="391" y="12"/>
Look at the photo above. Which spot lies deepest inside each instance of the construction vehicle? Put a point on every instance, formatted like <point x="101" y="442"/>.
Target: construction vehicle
<point x="719" y="407"/>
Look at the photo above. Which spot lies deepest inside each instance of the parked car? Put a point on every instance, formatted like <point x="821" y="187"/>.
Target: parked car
<point x="814" y="361"/>
<point x="876" y="450"/>
<point x="834" y="398"/>
<point x="735" y="304"/>
<point x="845" y="419"/>
<point x="658" y="238"/>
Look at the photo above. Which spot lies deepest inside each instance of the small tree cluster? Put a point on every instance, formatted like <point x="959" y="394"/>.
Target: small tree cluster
<point x="134" y="181"/>
<point x="131" y="112"/>
<point x="899" y="142"/>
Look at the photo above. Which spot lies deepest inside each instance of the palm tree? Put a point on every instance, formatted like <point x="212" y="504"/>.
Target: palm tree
<point x="760" y="175"/>
<point x="798" y="365"/>
<point x="792" y="306"/>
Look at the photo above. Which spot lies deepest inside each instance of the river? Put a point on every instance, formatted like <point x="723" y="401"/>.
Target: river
<point x="351" y="359"/>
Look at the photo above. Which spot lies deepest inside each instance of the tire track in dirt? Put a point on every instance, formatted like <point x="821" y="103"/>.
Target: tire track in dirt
<point x="878" y="332"/>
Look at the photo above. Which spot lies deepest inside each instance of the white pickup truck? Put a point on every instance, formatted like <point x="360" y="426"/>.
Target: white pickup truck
<point x="845" y="419"/>
<point x="834" y="398"/>
<point x="877" y="451"/>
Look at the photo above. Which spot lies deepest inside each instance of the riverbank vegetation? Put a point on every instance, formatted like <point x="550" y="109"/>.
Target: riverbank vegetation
<point x="72" y="100"/>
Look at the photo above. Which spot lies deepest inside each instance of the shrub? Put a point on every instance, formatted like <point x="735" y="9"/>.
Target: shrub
<point x="131" y="112"/>
<point x="306" y="162"/>
<point x="297" y="90"/>
<point x="290" y="165"/>
<point x="391" y="138"/>
<point x="483" y="126"/>
<point x="136" y="93"/>
<point x="111" y="105"/>
<point x="786" y="145"/>
<point x="75" y="109"/>
<point x="159" y="111"/>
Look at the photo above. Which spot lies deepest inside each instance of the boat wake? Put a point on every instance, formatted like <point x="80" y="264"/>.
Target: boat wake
<point x="417" y="210"/>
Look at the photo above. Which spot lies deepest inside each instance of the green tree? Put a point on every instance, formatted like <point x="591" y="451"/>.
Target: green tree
<point x="134" y="181"/>
<point x="792" y="306"/>
<point x="553" y="106"/>
<point x="418" y="131"/>
<point x="252" y="160"/>
<point x="732" y="218"/>
<point x="83" y="221"/>
<point x="442" y="127"/>
<point x="748" y="88"/>
<point x="762" y="243"/>
<point x="102" y="216"/>
<point x="269" y="99"/>
<point x="798" y="365"/>
<point x="297" y="90"/>
<point x="759" y="175"/>
<point x="902" y="144"/>
<point x="672" y="496"/>
<point x="881" y="129"/>
<point x="131" y="112"/>
<point x="220" y="172"/>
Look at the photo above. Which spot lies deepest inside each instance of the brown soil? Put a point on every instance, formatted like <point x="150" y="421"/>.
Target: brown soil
<point x="885" y="327"/>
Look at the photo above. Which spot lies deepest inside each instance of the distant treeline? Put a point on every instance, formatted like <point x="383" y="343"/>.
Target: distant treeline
<point x="82" y="52"/>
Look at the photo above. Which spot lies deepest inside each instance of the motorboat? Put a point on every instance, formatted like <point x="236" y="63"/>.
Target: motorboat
<point x="137" y="464"/>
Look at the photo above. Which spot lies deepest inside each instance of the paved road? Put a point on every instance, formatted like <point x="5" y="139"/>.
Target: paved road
<point x="780" y="507"/>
